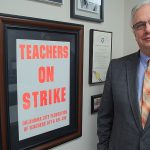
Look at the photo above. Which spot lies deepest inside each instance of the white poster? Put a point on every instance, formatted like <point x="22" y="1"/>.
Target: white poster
<point x="43" y="86"/>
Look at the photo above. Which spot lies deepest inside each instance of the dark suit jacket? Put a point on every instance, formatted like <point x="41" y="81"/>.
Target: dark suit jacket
<point x="119" y="124"/>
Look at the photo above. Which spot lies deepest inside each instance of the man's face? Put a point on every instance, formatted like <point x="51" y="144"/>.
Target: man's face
<point x="141" y="28"/>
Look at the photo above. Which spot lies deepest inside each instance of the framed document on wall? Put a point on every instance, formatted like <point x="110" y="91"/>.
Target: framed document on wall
<point x="99" y="55"/>
<point x="41" y="82"/>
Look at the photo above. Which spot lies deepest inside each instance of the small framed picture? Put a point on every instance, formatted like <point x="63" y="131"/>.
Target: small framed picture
<point x="89" y="10"/>
<point x="95" y="103"/>
<point x="55" y="2"/>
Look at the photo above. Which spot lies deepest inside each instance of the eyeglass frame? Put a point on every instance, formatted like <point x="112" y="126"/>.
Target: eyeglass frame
<point x="141" y="25"/>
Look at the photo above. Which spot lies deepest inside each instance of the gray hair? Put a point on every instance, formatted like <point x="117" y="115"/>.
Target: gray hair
<point x="136" y="7"/>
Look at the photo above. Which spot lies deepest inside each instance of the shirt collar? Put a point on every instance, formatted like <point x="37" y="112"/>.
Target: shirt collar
<point x="144" y="59"/>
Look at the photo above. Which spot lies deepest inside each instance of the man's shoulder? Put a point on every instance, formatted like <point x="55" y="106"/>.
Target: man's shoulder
<point x="122" y="61"/>
<point x="127" y="57"/>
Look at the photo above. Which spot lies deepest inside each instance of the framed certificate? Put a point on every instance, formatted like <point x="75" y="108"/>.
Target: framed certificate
<point x="99" y="55"/>
<point x="41" y="82"/>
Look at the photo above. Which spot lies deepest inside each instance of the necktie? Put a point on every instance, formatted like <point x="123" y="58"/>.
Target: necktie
<point x="145" y="103"/>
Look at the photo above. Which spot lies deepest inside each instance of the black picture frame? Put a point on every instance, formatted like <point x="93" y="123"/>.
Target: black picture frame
<point x="55" y="2"/>
<point x="13" y="28"/>
<point x="100" y="55"/>
<point x="79" y="12"/>
<point x="95" y="103"/>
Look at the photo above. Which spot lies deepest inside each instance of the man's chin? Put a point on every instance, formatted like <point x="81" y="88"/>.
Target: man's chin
<point x="146" y="46"/>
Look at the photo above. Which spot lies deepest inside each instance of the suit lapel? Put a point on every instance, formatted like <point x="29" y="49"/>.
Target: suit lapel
<point x="131" y="68"/>
<point x="148" y="122"/>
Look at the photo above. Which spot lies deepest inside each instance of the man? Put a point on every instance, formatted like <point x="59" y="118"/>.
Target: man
<point x="120" y="118"/>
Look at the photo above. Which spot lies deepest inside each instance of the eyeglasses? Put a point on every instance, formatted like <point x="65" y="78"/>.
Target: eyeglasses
<point x="141" y="25"/>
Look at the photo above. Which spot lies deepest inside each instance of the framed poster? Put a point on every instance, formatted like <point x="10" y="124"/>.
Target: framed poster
<point x="99" y="55"/>
<point x="41" y="82"/>
<point x="87" y="10"/>
<point x="95" y="103"/>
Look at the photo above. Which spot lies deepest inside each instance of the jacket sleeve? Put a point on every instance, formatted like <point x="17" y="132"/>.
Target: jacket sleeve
<point x="105" y="114"/>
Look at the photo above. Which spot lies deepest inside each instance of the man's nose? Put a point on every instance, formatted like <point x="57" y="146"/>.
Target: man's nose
<point x="147" y="28"/>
